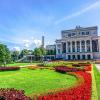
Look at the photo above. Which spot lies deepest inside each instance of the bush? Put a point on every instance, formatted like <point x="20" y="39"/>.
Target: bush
<point x="32" y="67"/>
<point x="76" y="65"/>
<point x="55" y="63"/>
<point x="12" y="94"/>
<point x="9" y="68"/>
<point x="64" y="69"/>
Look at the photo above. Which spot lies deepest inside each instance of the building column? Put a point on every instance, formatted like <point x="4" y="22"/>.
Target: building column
<point x="85" y="56"/>
<point x="80" y="57"/>
<point x="56" y="49"/>
<point x="85" y="47"/>
<point x="76" y="57"/>
<point x="71" y="46"/>
<point x="80" y="47"/>
<point x="66" y="47"/>
<point x="61" y="49"/>
<point x="90" y="45"/>
<point x="75" y="47"/>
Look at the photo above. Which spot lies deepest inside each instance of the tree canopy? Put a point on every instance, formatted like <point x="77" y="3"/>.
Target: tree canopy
<point x="5" y="56"/>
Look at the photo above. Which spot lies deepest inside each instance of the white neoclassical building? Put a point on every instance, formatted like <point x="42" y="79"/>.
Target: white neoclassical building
<point x="79" y="43"/>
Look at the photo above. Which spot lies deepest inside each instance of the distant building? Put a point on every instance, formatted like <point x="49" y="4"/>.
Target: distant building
<point x="79" y="43"/>
<point x="50" y="47"/>
<point x="51" y="51"/>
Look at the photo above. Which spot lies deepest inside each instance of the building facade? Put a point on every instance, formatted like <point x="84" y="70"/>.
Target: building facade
<point x="79" y="44"/>
<point x="51" y="52"/>
<point x="50" y="47"/>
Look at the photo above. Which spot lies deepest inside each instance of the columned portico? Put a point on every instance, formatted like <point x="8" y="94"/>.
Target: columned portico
<point x="82" y="44"/>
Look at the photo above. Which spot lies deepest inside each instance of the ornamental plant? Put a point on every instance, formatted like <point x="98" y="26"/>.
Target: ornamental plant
<point x="12" y="94"/>
<point x="9" y="68"/>
<point x="64" y="69"/>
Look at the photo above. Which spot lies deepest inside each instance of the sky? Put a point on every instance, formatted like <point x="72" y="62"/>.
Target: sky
<point x="24" y="22"/>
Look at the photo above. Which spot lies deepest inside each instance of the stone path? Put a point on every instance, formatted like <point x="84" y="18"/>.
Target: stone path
<point x="98" y="66"/>
<point x="94" y="90"/>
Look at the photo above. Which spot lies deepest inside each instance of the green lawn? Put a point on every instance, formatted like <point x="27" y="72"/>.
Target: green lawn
<point x="20" y="64"/>
<point x="35" y="81"/>
<point x="97" y="78"/>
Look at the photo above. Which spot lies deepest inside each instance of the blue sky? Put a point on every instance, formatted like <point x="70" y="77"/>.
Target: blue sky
<point x="23" y="22"/>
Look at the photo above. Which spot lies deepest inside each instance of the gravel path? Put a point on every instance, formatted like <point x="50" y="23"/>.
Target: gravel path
<point x="98" y="67"/>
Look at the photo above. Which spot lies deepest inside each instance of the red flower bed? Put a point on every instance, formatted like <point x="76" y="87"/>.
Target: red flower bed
<point x="9" y="68"/>
<point x="12" y="94"/>
<point x="88" y="68"/>
<point x="81" y="64"/>
<point x="64" y="69"/>
<point x="81" y="92"/>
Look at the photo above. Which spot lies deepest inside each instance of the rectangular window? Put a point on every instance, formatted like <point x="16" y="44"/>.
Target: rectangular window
<point x="64" y="47"/>
<point x="58" y="51"/>
<point x="78" y="46"/>
<point x="83" y="33"/>
<point x="73" y="34"/>
<point x="69" y="35"/>
<point x="87" y="33"/>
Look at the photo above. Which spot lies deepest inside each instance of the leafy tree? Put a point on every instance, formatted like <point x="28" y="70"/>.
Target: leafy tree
<point x="39" y="52"/>
<point x="15" y="55"/>
<point x="51" y="52"/>
<point x="5" y="56"/>
<point x="24" y="52"/>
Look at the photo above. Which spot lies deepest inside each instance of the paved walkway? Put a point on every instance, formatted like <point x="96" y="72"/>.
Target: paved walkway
<point x="98" y="66"/>
<point x="94" y="90"/>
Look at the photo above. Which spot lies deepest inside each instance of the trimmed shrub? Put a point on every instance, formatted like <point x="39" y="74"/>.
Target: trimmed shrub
<point x="64" y="69"/>
<point x="9" y="68"/>
<point x="32" y="67"/>
<point x="12" y="94"/>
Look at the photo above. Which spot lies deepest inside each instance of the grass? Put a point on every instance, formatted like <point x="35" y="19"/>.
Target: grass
<point x="21" y="64"/>
<point x="35" y="81"/>
<point x="97" y="78"/>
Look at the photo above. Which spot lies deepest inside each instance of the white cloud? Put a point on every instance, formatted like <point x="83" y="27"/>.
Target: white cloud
<point x="93" y="6"/>
<point x="31" y="42"/>
<point x="37" y="42"/>
<point x="16" y="49"/>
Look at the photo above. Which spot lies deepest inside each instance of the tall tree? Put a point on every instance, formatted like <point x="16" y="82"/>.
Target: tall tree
<point x="5" y="56"/>
<point x="15" y="55"/>
<point x="24" y="52"/>
<point x="39" y="52"/>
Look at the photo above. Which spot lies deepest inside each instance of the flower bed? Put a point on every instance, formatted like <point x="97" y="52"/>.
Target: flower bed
<point x="88" y="68"/>
<point x="12" y="94"/>
<point x="9" y="68"/>
<point x="64" y="69"/>
<point x="32" y="67"/>
<point x="81" y="92"/>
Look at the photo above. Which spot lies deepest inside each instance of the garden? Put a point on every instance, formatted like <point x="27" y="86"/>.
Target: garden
<point x="53" y="80"/>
